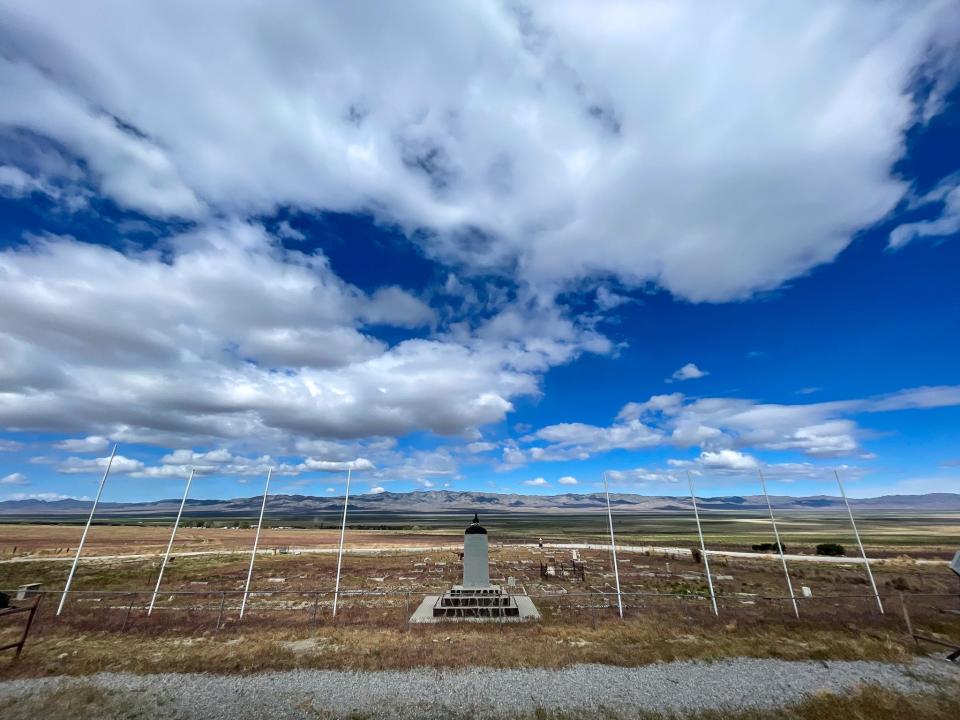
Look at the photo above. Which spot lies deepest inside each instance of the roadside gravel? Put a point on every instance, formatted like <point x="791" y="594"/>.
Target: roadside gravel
<point x="678" y="687"/>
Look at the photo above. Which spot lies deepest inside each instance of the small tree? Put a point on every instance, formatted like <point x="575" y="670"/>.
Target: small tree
<point x="832" y="549"/>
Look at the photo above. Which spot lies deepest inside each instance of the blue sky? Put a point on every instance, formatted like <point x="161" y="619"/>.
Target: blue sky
<point x="495" y="257"/>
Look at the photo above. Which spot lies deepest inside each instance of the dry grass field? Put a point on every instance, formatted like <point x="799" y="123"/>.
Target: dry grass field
<point x="26" y="539"/>
<point x="289" y="625"/>
<point x="196" y="624"/>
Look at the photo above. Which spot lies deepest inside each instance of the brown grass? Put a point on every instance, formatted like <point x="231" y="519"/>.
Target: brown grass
<point x="97" y="632"/>
<point x="416" y="572"/>
<point x="84" y="702"/>
<point x="637" y="641"/>
<point x="869" y="703"/>
<point x="61" y="540"/>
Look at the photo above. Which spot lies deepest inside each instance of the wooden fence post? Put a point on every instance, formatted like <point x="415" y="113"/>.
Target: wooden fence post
<point x="223" y="600"/>
<point x="906" y="619"/>
<point x="126" y="617"/>
<point x="28" y="625"/>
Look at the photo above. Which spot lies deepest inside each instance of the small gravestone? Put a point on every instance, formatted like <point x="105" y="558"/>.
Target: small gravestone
<point x="28" y="590"/>
<point x="955" y="566"/>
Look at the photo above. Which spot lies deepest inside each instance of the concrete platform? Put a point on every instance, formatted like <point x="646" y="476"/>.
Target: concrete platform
<point x="424" y="613"/>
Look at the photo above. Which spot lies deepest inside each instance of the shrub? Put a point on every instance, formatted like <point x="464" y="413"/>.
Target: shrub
<point x="830" y="549"/>
<point x="898" y="583"/>
<point x="769" y="547"/>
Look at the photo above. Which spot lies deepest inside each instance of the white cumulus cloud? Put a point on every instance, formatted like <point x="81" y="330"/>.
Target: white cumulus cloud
<point x="723" y="427"/>
<point x="89" y="444"/>
<point x="230" y="337"/>
<point x="688" y="372"/>
<point x="728" y="460"/>
<point x="511" y="136"/>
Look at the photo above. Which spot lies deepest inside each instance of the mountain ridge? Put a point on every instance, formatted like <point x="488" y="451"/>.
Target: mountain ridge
<point x="433" y="501"/>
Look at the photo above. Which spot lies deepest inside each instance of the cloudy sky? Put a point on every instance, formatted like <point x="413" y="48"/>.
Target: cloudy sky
<point x="485" y="245"/>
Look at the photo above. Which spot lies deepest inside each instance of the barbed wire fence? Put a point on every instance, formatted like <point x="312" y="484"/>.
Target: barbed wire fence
<point x="219" y="610"/>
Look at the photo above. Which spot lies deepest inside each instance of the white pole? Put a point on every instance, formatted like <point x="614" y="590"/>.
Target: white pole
<point x="863" y="553"/>
<point x="256" y="541"/>
<point x="83" y="538"/>
<point x="613" y="546"/>
<point x="703" y="547"/>
<point x="776" y="535"/>
<point x="173" y="534"/>
<point x="343" y="528"/>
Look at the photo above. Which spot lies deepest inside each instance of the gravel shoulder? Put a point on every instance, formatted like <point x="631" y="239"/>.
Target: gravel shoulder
<point x="580" y="690"/>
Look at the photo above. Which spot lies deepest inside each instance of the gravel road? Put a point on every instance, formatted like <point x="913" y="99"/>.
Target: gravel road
<point x="487" y="693"/>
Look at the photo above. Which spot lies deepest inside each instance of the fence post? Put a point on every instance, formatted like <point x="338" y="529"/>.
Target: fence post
<point x="36" y="621"/>
<point x="126" y="616"/>
<point x="906" y="618"/>
<point x="27" y="626"/>
<point x="593" y="612"/>
<point x="223" y="600"/>
<point x="406" y="620"/>
<point x="316" y="603"/>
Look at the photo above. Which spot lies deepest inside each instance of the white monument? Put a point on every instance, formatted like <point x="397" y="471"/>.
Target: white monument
<point x="476" y="598"/>
<point x="476" y="556"/>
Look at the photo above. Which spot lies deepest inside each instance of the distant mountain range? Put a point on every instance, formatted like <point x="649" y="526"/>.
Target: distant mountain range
<point x="444" y="501"/>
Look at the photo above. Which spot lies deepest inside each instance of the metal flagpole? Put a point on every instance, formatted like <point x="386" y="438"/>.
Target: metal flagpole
<point x="83" y="538"/>
<point x="863" y="553"/>
<point x="776" y="535"/>
<point x="343" y="528"/>
<point x="256" y="541"/>
<point x="703" y="547"/>
<point x="173" y="534"/>
<point x="613" y="546"/>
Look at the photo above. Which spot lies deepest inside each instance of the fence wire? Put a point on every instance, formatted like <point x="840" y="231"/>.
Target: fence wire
<point x="218" y="610"/>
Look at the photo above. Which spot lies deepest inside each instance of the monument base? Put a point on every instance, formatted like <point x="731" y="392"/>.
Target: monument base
<point x="477" y="605"/>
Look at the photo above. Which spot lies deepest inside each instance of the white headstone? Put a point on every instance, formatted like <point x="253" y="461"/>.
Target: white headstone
<point x="955" y="564"/>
